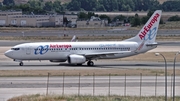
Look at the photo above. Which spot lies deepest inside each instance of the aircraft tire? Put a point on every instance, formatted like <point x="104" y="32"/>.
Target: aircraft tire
<point x="90" y="63"/>
<point x="21" y="64"/>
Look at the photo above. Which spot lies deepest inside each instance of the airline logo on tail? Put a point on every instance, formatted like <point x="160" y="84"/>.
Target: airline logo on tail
<point x="148" y="27"/>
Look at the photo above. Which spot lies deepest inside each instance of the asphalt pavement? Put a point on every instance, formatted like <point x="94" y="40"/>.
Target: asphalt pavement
<point x="88" y="32"/>
<point x="99" y="64"/>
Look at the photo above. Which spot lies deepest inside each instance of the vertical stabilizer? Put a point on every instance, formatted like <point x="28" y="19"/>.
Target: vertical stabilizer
<point x="149" y="31"/>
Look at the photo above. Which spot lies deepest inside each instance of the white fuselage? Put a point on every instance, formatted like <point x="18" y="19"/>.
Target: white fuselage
<point x="61" y="50"/>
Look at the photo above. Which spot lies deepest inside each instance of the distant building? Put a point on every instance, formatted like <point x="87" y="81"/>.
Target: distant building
<point x="93" y="18"/>
<point x="29" y="21"/>
<point x="58" y="19"/>
<point x="15" y="18"/>
<point x="5" y="15"/>
<point x="94" y="22"/>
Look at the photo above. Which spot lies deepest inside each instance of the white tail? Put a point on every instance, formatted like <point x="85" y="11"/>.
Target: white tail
<point x="149" y="31"/>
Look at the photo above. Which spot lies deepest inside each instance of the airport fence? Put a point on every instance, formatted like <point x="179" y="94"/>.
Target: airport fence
<point x="94" y="85"/>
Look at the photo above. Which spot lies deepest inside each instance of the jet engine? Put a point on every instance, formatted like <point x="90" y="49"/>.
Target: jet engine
<point x="76" y="59"/>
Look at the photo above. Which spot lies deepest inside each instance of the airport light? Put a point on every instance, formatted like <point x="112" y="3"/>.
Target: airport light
<point x="174" y="75"/>
<point x="158" y="54"/>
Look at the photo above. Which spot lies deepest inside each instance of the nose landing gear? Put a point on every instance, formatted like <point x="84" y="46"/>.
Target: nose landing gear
<point x="20" y="62"/>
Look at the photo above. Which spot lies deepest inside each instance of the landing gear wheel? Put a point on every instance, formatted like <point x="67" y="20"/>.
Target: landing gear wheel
<point x="21" y="64"/>
<point x="90" y="63"/>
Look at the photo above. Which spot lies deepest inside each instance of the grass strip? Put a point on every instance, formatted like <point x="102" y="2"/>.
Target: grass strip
<point x="38" y="97"/>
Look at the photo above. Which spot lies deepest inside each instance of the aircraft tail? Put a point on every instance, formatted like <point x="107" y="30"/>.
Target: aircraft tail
<point x="149" y="31"/>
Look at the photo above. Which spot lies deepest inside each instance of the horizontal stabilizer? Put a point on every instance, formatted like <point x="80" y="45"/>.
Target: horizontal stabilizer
<point x="152" y="44"/>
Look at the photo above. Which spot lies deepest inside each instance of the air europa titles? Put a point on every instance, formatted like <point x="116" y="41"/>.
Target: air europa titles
<point x="44" y="49"/>
<point x="148" y="27"/>
<point x="60" y="46"/>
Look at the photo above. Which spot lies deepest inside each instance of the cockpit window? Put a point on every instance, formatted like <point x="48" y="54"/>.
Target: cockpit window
<point x="15" y="49"/>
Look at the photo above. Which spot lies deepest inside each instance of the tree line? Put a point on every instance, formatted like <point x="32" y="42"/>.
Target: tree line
<point x="133" y="20"/>
<point x="113" y="5"/>
<point x="41" y="7"/>
<point x="34" y="6"/>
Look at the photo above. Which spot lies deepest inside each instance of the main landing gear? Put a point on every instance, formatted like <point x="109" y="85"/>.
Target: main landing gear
<point x="21" y="64"/>
<point x="90" y="63"/>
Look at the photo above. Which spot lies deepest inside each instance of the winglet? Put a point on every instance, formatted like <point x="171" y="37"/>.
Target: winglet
<point x="74" y="39"/>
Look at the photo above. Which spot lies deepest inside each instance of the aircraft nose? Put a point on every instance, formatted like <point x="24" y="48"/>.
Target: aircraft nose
<point x="8" y="53"/>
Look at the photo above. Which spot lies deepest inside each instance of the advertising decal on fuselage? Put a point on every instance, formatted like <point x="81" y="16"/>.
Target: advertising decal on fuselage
<point x="44" y="49"/>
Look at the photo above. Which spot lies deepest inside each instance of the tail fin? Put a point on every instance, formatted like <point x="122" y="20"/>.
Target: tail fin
<point x="149" y="31"/>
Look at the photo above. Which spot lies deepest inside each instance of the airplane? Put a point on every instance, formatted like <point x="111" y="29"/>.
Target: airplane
<point x="78" y="53"/>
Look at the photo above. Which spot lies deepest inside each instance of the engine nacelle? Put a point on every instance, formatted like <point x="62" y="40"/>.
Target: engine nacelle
<point x="76" y="59"/>
<point x="57" y="60"/>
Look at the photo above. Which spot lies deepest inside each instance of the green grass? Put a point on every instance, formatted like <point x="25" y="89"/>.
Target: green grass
<point x="39" y="97"/>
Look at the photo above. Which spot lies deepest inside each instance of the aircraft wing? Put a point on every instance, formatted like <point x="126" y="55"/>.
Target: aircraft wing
<point x="96" y="55"/>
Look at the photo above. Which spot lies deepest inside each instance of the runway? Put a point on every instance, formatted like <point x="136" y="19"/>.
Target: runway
<point x="87" y="85"/>
<point x="99" y="64"/>
<point x="86" y="81"/>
